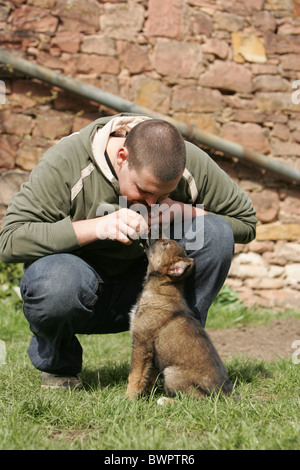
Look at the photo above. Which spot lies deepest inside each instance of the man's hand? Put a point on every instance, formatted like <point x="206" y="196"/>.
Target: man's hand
<point x="123" y="225"/>
<point x="167" y="210"/>
<point x="126" y="225"/>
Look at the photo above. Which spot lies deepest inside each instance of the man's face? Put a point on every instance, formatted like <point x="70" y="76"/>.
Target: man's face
<point x="143" y="187"/>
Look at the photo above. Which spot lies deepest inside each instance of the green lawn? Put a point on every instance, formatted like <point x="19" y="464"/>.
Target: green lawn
<point x="101" y="417"/>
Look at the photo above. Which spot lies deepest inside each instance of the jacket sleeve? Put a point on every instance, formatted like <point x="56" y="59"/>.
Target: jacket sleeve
<point x="223" y="197"/>
<point x="38" y="220"/>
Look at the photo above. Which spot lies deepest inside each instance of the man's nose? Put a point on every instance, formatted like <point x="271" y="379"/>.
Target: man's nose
<point x="151" y="199"/>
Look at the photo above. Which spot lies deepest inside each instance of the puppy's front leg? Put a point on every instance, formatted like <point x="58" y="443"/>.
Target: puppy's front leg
<point x="140" y="368"/>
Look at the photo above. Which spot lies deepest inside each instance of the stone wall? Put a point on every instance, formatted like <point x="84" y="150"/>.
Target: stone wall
<point x="226" y="66"/>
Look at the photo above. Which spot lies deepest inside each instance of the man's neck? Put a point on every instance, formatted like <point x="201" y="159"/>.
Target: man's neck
<point x="112" y="147"/>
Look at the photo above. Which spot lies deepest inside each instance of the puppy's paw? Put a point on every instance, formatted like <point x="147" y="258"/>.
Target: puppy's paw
<point x="165" y="401"/>
<point x="131" y="393"/>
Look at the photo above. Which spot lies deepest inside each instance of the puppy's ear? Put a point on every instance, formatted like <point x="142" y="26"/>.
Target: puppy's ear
<point x="179" y="268"/>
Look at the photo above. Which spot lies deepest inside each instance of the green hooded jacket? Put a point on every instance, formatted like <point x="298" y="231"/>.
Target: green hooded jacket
<point x="73" y="180"/>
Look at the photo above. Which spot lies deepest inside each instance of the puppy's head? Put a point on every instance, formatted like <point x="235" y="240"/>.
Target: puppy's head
<point x="168" y="258"/>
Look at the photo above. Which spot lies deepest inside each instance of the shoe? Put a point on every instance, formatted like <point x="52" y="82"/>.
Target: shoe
<point x="54" y="381"/>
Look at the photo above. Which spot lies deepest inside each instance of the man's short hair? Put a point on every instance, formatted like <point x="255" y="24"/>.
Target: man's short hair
<point x="157" y="146"/>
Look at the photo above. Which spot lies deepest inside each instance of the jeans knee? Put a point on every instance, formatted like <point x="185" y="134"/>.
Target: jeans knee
<point x="209" y="232"/>
<point x="56" y="285"/>
<point x="219" y="237"/>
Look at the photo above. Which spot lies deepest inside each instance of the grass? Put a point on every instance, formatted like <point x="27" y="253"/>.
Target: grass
<point x="229" y="312"/>
<point x="101" y="417"/>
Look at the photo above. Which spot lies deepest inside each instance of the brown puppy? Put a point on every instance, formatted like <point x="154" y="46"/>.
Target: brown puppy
<point x="167" y="338"/>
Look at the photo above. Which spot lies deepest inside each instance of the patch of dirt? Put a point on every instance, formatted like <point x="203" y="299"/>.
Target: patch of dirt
<point x="262" y="342"/>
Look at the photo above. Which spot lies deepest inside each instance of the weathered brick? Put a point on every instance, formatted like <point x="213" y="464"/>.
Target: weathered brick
<point x="280" y="298"/>
<point x="4" y="12"/>
<point x="280" y="148"/>
<point x="296" y="5"/>
<point x="248" y="47"/>
<point x="17" y="124"/>
<point x="30" y="152"/>
<point x="245" y="115"/>
<point x="275" y="101"/>
<point x="270" y="83"/>
<point x="201" y="24"/>
<point x="249" y="135"/>
<point x="290" y="26"/>
<point x="67" y="41"/>
<point x="165" y="19"/>
<point x="281" y="131"/>
<point x="78" y="15"/>
<point x="290" y="62"/>
<point x="49" y="4"/>
<point x="228" y="22"/>
<point x="8" y="147"/>
<point x="292" y="273"/>
<point x="264" y="21"/>
<point x="282" y="44"/>
<point x="290" y="252"/>
<point x="278" y="231"/>
<point x="88" y="63"/>
<point x="98" y="44"/>
<point x="133" y="56"/>
<point x="123" y="21"/>
<point x="110" y="83"/>
<point x="264" y="69"/>
<point x="290" y="208"/>
<point x="177" y="58"/>
<point x="10" y="183"/>
<point x="266" y="204"/>
<point x="202" y="121"/>
<point x="82" y="120"/>
<point x="47" y="60"/>
<point x="194" y="99"/>
<point x="228" y="76"/>
<point x="52" y="124"/>
<point x="151" y="94"/>
<point x="44" y="22"/>
<point x="217" y="47"/>
<point x="66" y="101"/>
<point x="240" y="7"/>
<point x="279" y="5"/>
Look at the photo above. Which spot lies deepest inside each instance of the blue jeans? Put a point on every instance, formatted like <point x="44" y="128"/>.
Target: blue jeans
<point x="63" y="296"/>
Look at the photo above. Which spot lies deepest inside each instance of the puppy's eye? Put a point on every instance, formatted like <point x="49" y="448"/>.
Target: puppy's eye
<point x="166" y="243"/>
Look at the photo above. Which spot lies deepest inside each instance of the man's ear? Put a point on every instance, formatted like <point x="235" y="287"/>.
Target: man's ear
<point x="122" y="156"/>
<point x="179" y="268"/>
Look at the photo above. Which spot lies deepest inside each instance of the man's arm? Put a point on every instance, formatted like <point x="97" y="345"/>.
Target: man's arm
<point x="220" y="195"/>
<point x="123" y="225"/>
<point x="38" y="222"/>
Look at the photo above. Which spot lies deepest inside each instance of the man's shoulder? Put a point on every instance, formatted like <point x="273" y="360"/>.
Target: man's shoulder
<point x="195" y="156"/>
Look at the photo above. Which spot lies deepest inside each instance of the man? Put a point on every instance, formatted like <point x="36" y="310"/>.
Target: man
<point x="85" y="263"/>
